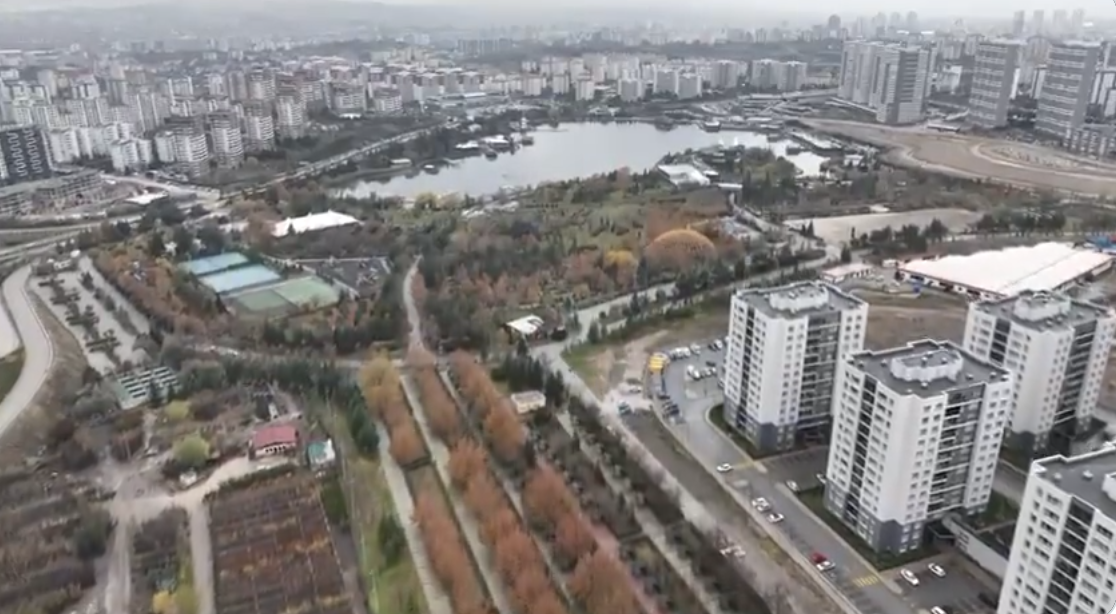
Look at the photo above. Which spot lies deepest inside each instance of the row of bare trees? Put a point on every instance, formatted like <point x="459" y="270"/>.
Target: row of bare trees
<point x="383" y="392"/>
<point x="518" y="560"/>
<point x="449" y="556"/>
<point x="502" y="427"/>
<point x="598" y="581"/>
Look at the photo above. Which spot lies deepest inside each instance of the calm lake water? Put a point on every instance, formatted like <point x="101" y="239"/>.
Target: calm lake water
<point x="567" y="152"/>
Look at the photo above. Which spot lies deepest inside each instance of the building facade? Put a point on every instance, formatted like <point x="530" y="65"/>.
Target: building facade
<point x="994" y="82"/>
<point x="1058" y="348"/>
<point x="24" y="155"/>
<point x="892" y="80"/>
<point x="783" y="350"/>
<point x="1066" y="88"/>
<point x="916" y="435"/>
<point x="1061" y="555"/>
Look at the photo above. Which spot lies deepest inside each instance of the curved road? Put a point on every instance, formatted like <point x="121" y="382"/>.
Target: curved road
<point x="38" y="351"/>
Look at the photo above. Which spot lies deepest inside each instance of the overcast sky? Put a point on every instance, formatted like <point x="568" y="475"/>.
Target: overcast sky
<point x="1094" y="9"/>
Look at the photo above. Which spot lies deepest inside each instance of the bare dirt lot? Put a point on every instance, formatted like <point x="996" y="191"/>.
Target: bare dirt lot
<point x="838" y="229"/>
<point x="603" y="367"/>
<point x="897" y="319"/>
<point x="977" y="157"/>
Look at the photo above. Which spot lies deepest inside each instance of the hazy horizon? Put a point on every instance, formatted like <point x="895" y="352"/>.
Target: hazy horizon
<point x="804" y="9"/>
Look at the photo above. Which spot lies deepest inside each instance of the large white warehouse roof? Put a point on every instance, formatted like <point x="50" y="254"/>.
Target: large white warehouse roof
<point x="312" y="222"/>
<point x="1006" y="272"/>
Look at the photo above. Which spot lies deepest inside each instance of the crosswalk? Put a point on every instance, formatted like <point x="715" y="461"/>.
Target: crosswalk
<point x="866" y="581"/>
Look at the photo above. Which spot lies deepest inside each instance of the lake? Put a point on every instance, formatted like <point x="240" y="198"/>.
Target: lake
<point x="567" y="152"/>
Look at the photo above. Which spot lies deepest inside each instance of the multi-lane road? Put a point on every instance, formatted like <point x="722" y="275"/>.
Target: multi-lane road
<point x="38" y="353"/>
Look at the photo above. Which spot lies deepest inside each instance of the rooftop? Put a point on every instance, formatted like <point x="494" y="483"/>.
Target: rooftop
<point x="1089" y="477"/>
<point x="1044" y="310"/>
<point x="279" y="434"/>
<point x="312" y="222"/>
<point x="926" y="368"/>
<point x="1046" y="266"/>
<point x="799" y="300"/>
<point x="527" y="325"/>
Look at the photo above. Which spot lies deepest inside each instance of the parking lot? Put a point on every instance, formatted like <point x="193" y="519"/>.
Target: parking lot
<point x="957" y="593"/>
<point x="801" y="468"/>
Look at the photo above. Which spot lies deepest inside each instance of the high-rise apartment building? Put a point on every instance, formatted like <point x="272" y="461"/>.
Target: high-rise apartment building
<point x="290" y="116"/>
<point x="1061" y="555"/>
<point x="1064" y="99"/>
<point x="893" y="80"/>
<point x="259" y="127"/>
<point x="1018" y="23"/>
<point x="1037" y="27"/>
<point x="783" y="349"/>
<point x="994" y="82"/>
<point x="23" y="154"/>
<point x="1058" y="348"/>
<point x="916" y="436"/>
<point x="224" y="134"/>
<point x="726" y="73"/>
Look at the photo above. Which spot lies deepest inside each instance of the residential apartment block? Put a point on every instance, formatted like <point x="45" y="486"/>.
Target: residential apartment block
<point x="1061" y="556"/>
<point x="783" y="350"/>
<point x="994" y="82"/>
<point x="1066" y="89"/>
<point x="1058" y="348"/>
<point x="916" y="435"/>
<point x="892" y="80"/>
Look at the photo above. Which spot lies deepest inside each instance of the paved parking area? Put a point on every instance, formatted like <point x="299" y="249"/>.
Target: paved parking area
<point x="958" y="592"/>
<point x="801" y="467"/>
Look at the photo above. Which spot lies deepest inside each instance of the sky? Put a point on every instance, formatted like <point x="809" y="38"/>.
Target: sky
<point x="848" y="9"/>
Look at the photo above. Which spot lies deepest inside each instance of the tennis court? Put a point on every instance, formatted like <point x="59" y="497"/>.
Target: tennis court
<point x="236" y="279"/>
<point x="285" y="297"/>
<point x="214" y="264"/>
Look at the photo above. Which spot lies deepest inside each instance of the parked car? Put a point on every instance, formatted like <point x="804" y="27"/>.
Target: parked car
<point x="938" y="610"/>
<point x="909" y="576"/>
<point x="724" y="468"/>
<point x="936" y="569"/>
<point x="821" y="562"/>
<point x="775" y="518"/>
<point x="792" y="485"/>
<point x="761" y="504"/>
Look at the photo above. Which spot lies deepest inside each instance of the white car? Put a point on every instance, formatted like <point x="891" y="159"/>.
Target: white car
<point x="937" y="610"/>
<point x="775" y="518"/>
<point x="792" y="485"/>
<point x="724" y="468"/>
<point x="733" y="551"/>
<point x="936" y="569"/>
<point x="761" y="504"/>
<point x="824" y="565"/>
<point x="909" y="576"/>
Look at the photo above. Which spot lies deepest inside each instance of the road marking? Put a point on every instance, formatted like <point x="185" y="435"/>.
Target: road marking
<point x="865" y="581"/>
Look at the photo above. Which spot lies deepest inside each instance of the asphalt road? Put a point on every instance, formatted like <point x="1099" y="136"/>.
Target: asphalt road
<point x="38" y="351"/>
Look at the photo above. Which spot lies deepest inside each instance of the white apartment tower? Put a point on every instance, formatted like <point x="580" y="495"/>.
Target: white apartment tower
<point x="783" y="350"/>
<point x="994" y="82"/>
<point x="259" y="127"/>
<point x="893" y="80"/>
<point x="1071" y="68"/>
<point x="1058" y="348"/>
<point x="916" y="435"/>
<point x="1061" y="556"/>
<point x="224" y="132"/>
<point x="290" y="115"/>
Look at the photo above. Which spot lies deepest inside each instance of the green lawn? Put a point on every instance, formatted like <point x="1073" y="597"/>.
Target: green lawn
<point x="10" y="368"/>
<point x="394" y="588"/>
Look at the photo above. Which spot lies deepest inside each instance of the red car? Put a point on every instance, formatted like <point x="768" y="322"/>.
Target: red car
<point x="821" y="562"/>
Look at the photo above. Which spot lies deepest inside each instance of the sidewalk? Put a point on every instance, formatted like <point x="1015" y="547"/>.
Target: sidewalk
<point x="436" y="599"/>
<point x="439" y="455"/>
<point x="653" y="530"/>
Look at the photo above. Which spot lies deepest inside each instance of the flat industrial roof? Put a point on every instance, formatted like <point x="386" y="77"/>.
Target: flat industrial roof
<point x="1046" y="266"/>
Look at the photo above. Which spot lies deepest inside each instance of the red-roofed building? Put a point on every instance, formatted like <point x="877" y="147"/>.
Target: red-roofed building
<point x="272" y="440"/>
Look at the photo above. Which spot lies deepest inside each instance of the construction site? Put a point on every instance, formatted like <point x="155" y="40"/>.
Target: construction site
<point x="1012" y="162"/>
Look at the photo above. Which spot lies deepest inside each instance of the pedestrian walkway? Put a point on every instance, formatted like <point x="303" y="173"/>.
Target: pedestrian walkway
<point x="436" y="599"/>
<point x="866" y="581"/>
<point x="439" y="455"/>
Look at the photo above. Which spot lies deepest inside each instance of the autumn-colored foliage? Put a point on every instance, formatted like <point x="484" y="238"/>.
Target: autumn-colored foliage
<point x="441" y="411"/>
<point x="517" y="558"/>
<point x="502" y="426"/>
<point x="383" y="392"/>
<point x="449" y="557"/>
<point x="602" y="585"/>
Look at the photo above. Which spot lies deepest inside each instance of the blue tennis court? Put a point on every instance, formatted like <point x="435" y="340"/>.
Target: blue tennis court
<point x="214" y="264"/>
<point x="243" y="277"/>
